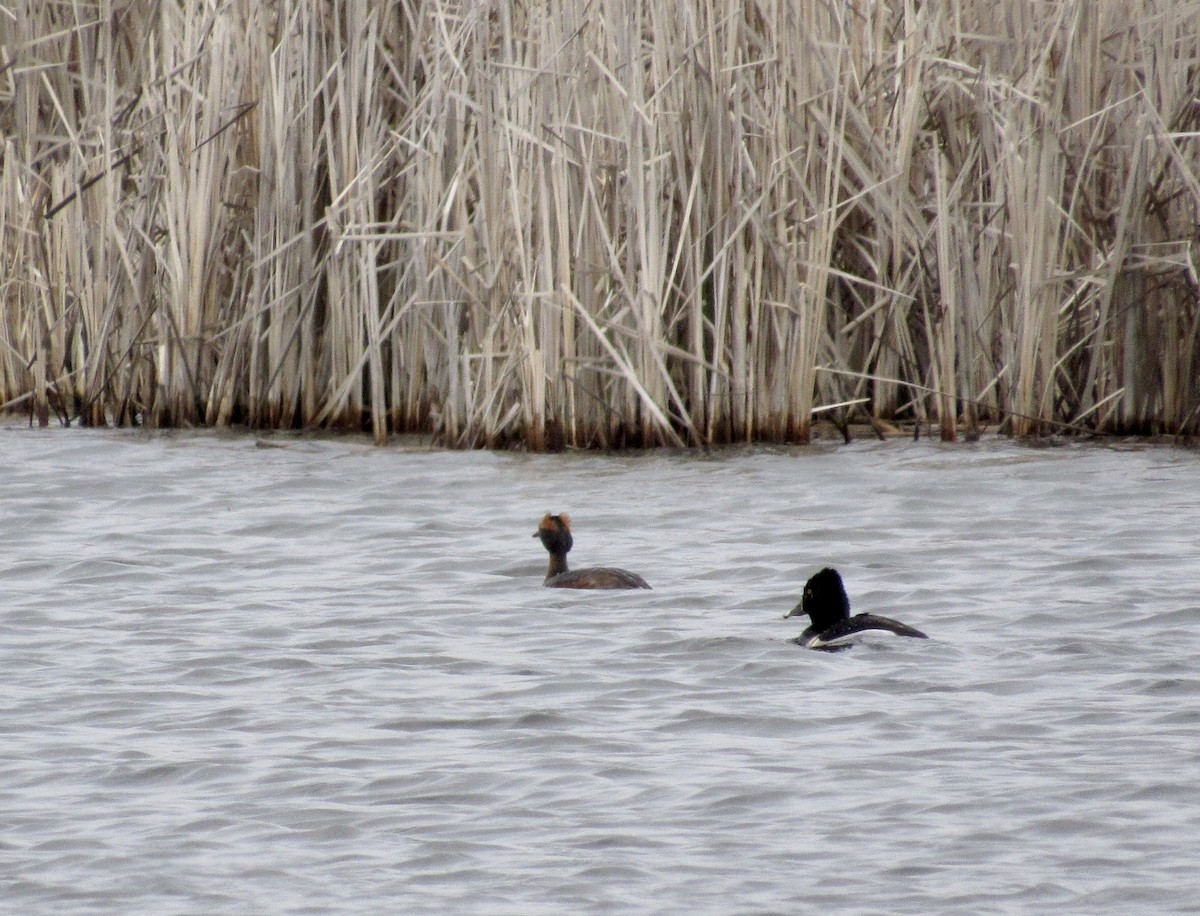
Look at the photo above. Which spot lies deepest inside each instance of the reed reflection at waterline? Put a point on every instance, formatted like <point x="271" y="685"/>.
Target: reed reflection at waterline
<point x="567" y="223"/>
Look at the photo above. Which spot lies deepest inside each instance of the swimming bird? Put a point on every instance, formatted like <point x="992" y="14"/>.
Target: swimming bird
<point x="828" y="608"/>
<point x="555" y="532"/>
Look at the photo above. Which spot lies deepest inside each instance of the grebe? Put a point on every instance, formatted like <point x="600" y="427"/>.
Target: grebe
<point x="832" y="627"/>
<point x="555" y="532"/>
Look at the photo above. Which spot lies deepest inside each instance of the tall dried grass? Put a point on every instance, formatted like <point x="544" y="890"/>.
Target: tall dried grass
<point x="587" y="222"/>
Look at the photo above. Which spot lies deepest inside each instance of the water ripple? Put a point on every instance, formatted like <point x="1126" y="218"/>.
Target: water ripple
<point x="326" y="677"/>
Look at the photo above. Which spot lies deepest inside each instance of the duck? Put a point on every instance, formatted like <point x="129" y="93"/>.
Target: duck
<point x="555" y="532"/>
<point x="832" y="628"/>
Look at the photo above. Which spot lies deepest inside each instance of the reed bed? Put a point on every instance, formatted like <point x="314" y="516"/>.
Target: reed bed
<point x="593" y="223"/>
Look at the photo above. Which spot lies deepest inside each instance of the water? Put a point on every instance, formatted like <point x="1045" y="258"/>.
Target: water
<point x="326" y="678"/>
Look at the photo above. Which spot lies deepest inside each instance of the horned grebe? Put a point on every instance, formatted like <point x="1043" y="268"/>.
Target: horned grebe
<point x="555" y="532"/>
<point x="832" y="627"/>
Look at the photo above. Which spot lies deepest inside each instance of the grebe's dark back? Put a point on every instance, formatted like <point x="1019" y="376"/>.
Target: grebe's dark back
<point x="555" y="532"/>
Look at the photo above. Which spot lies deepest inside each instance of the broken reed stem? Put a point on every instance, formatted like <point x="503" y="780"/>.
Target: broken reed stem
<point x="551" y="225"/>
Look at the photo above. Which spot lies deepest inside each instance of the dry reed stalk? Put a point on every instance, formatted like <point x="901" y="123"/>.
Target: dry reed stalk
<point x="555" y="224"/>
<point x="942" y="325"/>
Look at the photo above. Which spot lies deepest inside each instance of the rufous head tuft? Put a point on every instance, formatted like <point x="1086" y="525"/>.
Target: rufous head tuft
<point x="555" y="532"/>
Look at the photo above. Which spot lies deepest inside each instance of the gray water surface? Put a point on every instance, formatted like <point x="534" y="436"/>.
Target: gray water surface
<point x="327" y="677"/>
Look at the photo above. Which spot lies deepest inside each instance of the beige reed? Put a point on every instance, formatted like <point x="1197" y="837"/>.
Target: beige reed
<point x="601" y="223"/>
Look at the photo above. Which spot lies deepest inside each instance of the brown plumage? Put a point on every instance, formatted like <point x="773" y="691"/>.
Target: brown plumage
<point x="555" y="532"/>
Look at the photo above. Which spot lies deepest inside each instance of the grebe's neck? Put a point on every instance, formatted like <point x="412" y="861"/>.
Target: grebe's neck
<point x="558" y="564"/>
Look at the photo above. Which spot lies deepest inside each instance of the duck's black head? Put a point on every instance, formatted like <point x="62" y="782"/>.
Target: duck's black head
<point x="824" y="599"/>
<point x="555" y="532"/>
